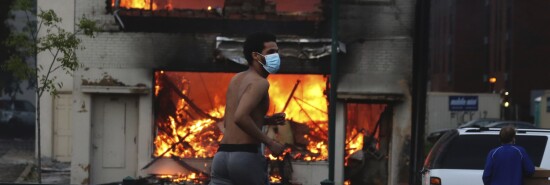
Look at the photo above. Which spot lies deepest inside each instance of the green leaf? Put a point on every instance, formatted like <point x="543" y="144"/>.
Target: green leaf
<point x="25" y="5"/>
<point x="49" y="17"/>
<point x="88" y="26"/>
<point x="20" y="40"/>
<point x="18" y="67"/>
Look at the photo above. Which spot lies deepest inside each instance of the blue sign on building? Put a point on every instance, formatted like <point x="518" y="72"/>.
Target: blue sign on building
<point x="463" y="103"/>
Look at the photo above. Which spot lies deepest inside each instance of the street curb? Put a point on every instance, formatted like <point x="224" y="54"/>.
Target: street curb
<point x="23" y="174"/>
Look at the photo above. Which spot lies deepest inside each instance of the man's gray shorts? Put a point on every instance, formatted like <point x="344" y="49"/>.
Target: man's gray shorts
<point x="237" y="167"/>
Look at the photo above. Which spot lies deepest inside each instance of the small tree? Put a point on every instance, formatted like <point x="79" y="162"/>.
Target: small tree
<point x="55" y="41"/>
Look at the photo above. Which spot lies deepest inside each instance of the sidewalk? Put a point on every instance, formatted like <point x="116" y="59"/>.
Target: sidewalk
<point x="17" y="164"/>
<point x="10" y="172"/>
<point x="15" y="156"/>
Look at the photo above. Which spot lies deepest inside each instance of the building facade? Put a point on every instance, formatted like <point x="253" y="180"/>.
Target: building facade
<point x="490" y="46"/>
<point x="110" y="103"/>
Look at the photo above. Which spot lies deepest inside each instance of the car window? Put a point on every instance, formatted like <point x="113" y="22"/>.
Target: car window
<point x="4" y="105"/>
<point x="524" y="125"/>
<point x="470" y="151"/>
<point x="24" y="106"/>
<point x="19" y="106"/>
<point x="7" y="105"/>
<point x="482" y="123"/>
<point x="439" y="147"/>
<point x="29" y="107"/>
<point x="517" y="125"/>
<point x="478" y="123"/>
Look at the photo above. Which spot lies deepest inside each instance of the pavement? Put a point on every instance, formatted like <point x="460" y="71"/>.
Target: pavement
<point x="15" y="156"/>
<point x="17" y="164"/>
<point x="56" y="173"/>
<point x="17" y="159"/>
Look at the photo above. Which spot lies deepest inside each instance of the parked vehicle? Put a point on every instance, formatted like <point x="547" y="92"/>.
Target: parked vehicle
<point x="459" y="156"/>
<point x="479" y="122"/>
<point x="517" y="124"/>
<point x="476" y="123"/>
<point x="17" y="113"/>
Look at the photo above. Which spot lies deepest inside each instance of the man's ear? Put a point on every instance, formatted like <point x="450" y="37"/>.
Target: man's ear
<point x="256" y="56"/>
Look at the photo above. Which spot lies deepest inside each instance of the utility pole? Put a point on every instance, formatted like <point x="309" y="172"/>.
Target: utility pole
<point x="332" y="96"/>
<point x="420" y="61"/>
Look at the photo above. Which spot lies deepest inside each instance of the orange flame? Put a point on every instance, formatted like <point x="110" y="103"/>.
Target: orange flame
<point x="275" y="178"/>
<point x="309" y="92"/>
<point x="199" y="138"/>
<point x="177" y="178"/>
<point x="307" y="106"/>
<point x="157" y="86"/>
<point x="353" y="144"/>
<point x="137" y="4"/>
<point x="192" y="135"/>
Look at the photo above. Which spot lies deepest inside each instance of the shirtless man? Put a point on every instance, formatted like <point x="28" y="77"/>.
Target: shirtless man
<point x="239" y="160"/>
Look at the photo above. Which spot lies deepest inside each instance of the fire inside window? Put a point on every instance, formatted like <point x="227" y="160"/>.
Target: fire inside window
<point x="261" y="6"/>
<point x="190" y="107"/>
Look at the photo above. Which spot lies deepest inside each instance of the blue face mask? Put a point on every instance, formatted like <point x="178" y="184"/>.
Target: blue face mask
<point x="272" y="62"/>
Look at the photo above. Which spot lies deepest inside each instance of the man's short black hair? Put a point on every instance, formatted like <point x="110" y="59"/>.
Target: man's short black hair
<point x="255" y="43"/>
<point x="507" y="134"/>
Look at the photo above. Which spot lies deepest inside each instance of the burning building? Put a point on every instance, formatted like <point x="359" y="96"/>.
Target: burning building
<point x="149" y="98"/>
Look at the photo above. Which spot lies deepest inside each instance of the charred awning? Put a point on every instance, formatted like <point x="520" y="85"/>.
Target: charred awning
<point x="204" y="21"/>
<point x="375" y="87"/>
<point x="376" y="70"/>
<point x="229" y="16"/>
<point x="298" y="55"/>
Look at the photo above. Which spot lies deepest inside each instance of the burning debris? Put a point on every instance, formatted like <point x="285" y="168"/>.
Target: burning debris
<point x="185" y="130"/>
<point x="137" y="4"/>
<point x="366" y="161"/>
<point x="174" y="170"/>
<point x="189" y="109"/>
<point x="181" y="118"/>
<point x="229" y="6"/>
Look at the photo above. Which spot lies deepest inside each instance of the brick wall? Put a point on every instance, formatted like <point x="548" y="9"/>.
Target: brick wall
<point x="376" y="20"/>
<point x="96" y="10"/>
<point x="459" y="54"/>
<point x="148" y="50"/>
<point x="516" y="49"/>
<point x="530" y="52"/>
<point x="379" y="40"/>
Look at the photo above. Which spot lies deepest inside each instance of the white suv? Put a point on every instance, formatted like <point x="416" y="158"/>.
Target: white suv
<point x="458" y="157"/>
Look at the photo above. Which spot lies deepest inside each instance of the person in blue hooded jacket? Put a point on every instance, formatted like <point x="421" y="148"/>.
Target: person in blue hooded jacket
<point x="507" y="164"/>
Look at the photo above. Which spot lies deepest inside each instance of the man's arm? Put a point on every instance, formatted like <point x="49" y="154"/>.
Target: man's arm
<point x="275" y="119"/>
<point x="487" y="172"/>
<point x="250" y="99"/>
<point x="528" y="167"/>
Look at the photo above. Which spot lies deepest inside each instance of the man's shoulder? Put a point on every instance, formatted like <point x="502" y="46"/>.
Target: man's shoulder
<point x="258" y="80"/>
<point x="239" y="74"/>
<point x="261" y="82"/>
<point x="495" y="149"/>
<point x="519" y="147"/>
<point x="236" y="76"/>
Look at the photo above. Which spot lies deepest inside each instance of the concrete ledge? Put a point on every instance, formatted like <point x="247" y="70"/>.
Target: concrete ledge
<point x="24" y="174"/>
<point x="93" y="89"/>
